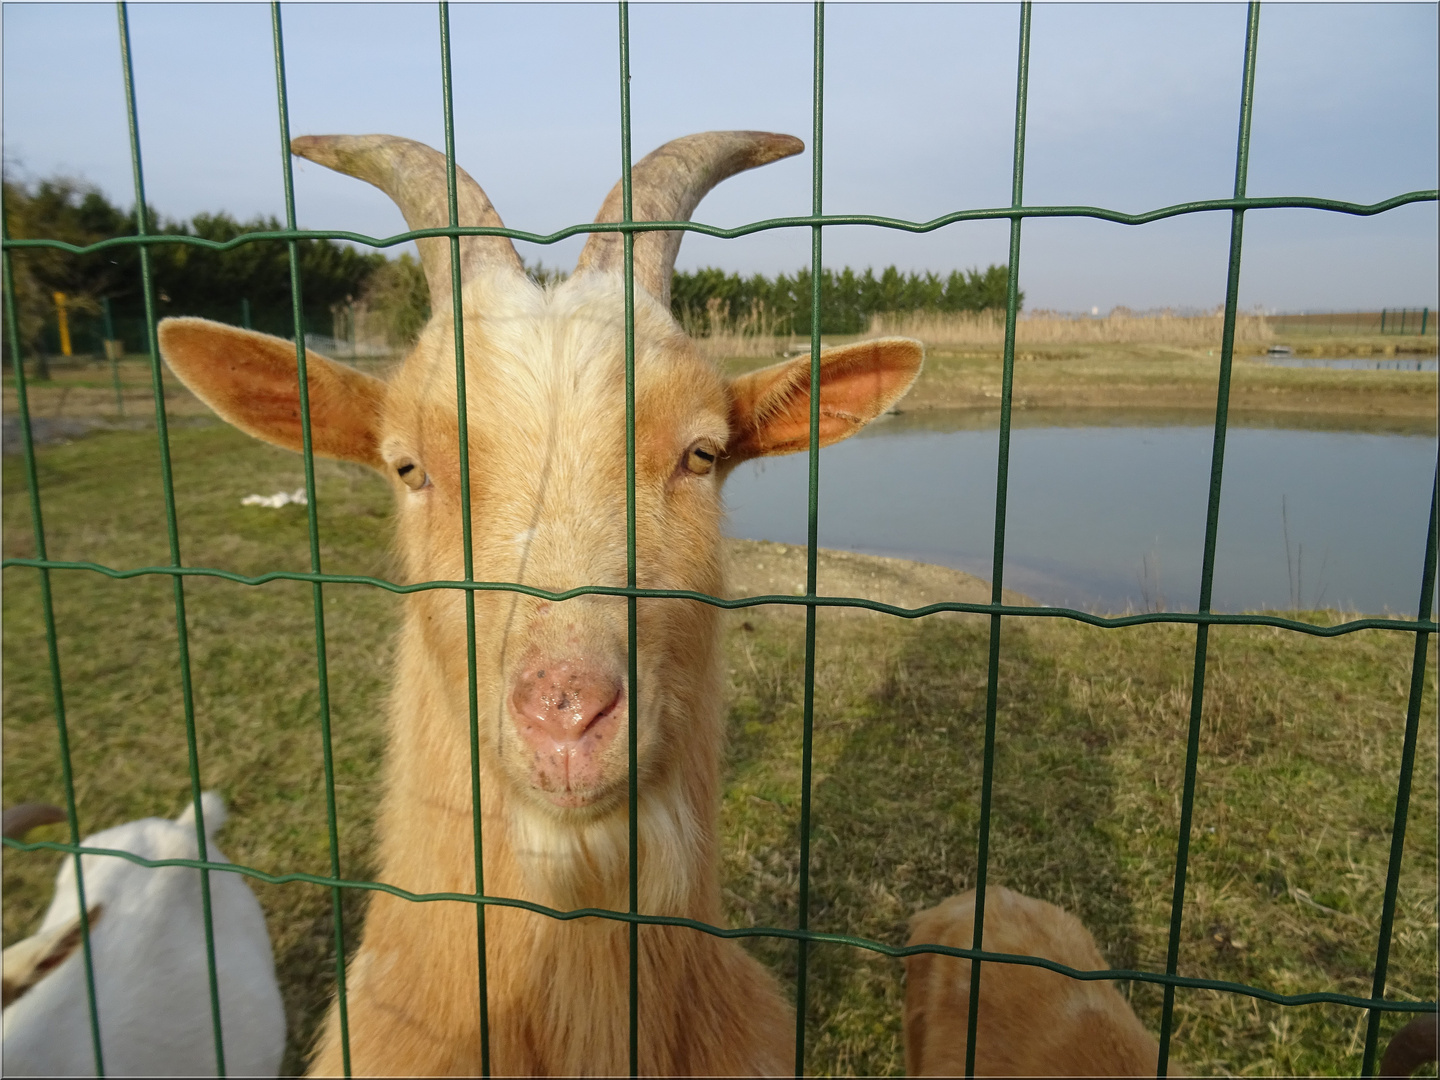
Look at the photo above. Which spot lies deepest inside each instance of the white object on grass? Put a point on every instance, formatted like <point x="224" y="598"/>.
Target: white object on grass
<point x="279" y="499"/>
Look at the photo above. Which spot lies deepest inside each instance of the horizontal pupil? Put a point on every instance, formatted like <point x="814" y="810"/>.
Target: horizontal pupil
<point x="405" y="469"/>
<point x="703" y="454"/>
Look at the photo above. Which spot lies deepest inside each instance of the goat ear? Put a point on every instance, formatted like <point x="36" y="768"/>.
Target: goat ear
<point x="251" y="380"/>
<point x="770" y="408"/>
<point x="27" y="962"/>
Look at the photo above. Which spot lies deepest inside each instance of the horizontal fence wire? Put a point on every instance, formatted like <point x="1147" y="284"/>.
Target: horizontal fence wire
<point x="808" y="221"/>
<point x="1316" y="998"/>
<point x="1214" y="618"/>
<point x="1421" y="627"/>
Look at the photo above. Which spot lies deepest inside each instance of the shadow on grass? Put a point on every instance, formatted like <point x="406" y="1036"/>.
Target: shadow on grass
<point x="899" y="747"/>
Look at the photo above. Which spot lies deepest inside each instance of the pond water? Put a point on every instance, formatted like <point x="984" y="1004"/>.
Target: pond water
<point x="1107" y="510"/>
<point x="1352" y="363"/>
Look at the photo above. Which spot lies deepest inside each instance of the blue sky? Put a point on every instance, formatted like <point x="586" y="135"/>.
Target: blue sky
<point x="1131" y="106"/>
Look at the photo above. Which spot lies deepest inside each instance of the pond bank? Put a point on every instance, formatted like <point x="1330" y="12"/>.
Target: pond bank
<point x="1163" y="376"/>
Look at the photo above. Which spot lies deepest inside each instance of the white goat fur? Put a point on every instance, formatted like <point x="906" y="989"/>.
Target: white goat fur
<point x="151" y="976"/>
<point x="544" y="378"/>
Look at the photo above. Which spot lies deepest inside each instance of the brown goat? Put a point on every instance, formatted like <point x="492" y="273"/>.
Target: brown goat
<point x="545" y="386"/>
<point x="1032" y="1021"/>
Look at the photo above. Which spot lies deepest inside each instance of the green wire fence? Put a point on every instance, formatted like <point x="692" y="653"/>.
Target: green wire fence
<point x="1237" y="205"/>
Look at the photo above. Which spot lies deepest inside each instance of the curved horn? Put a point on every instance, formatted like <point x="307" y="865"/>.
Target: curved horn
<point x="667" y="185"/>
<point x="19" y="820"/>
<point x="413" y="175"/>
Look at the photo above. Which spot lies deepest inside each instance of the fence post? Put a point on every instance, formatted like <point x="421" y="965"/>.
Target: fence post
<point x="1424" y="320"/>
<point x="245" y="312"/>
<point x="62" y="317"/>
<point x="1382" y="320"/>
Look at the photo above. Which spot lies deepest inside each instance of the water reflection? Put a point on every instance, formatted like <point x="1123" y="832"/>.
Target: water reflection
<point x="1106" y="510"/>
<point x="1351" y="363"/>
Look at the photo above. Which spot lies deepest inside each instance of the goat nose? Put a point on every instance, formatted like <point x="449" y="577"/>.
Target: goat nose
<point x="561" y="701"/>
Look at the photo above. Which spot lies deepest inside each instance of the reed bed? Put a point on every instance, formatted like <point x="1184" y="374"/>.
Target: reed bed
<point x="984" y="329"/>
<point x="721" y="335"/>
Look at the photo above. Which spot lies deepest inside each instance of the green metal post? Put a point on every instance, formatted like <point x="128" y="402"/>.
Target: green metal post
<point x="1402" y="787"/>
<point x="1212" y="525"/>
<point x="245" y="312"/>
<point x="457" y="326"/>
<point x="172" y="527"/>
<point x="632" y="673"/>
<point x="1002" y="484"/>
<point x="317" y="597"/>
<point x="57" y="683"/>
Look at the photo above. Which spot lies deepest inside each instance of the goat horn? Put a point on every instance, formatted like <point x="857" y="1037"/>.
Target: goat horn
<point x="19" y="820"/>
<point x="413" y="175"/>
<point x="667" y="185"/>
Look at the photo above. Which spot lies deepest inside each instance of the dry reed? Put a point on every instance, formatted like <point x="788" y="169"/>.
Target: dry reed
<point x="719" y="335"/>
<point x="1121" y="327"/>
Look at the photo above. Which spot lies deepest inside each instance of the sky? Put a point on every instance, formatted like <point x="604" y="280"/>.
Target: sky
<point x="1131" y="106"/>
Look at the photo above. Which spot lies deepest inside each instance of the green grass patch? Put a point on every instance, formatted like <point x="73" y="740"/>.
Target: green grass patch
<point x="1300" y="750"/>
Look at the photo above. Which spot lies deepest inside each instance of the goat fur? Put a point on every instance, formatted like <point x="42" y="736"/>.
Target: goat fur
<point x="544" y="379"/>
<point x="1031" y="1021"/>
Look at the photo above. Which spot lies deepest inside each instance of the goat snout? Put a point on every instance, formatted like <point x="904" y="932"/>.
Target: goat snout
<point x="568" y="714"/>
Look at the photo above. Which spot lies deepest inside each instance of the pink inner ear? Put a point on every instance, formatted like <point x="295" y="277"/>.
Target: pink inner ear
<point x="771" y="408"/>
<point x="252" y="381"/>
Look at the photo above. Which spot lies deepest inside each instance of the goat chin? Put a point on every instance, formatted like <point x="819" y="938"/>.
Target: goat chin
<point x="586" y="863"/>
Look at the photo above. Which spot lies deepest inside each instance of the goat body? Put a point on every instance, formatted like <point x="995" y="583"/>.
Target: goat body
<point x="545" y="385"/>
<point x="1031" y="1021"/>
<point x="152" y="988"/>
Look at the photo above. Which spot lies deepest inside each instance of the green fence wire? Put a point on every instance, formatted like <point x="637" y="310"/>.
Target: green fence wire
<point x="1421" y="627"/>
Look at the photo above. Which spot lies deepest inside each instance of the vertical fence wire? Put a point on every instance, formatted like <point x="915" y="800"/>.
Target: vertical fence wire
<point x="337" y="900"/>
<point x="1402" y="787"/>
<point x="817" y="190"/>
<point x="52" y="644"/>
<point x="462" y="417"/>
<point x="162" y="432"/>
<point x="1212" y="522"/>
<point x="997" y="568"/>
<point x="632" y="696"/>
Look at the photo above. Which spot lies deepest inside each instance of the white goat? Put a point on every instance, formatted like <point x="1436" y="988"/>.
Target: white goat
<point x="151" y="978"/>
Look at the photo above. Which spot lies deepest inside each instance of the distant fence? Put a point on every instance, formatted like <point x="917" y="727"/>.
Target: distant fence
<point x="1384" y="321"/>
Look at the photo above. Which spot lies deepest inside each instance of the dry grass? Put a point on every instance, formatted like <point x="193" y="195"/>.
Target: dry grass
<point x="986" y="329"/>
<point x="719" y="334"/>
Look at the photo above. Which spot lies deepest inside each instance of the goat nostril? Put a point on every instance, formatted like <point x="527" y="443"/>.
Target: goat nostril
<point x="562" y="703"/>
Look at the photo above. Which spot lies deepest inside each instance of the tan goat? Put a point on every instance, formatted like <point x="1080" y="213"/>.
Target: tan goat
<point x="544" y="376"/>
<point x="1032" y="1021"/>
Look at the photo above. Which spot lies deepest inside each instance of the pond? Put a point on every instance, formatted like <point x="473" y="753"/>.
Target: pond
<point x="1106" y="510"/>
<point x="1351" y="363"/>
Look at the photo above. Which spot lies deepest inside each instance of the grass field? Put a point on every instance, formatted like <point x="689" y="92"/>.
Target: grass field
<point x="1299" y="757"/>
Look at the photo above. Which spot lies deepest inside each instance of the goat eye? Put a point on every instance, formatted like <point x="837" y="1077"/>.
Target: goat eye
<point x="699" y="460"/>
<point x="411" y="475"/>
